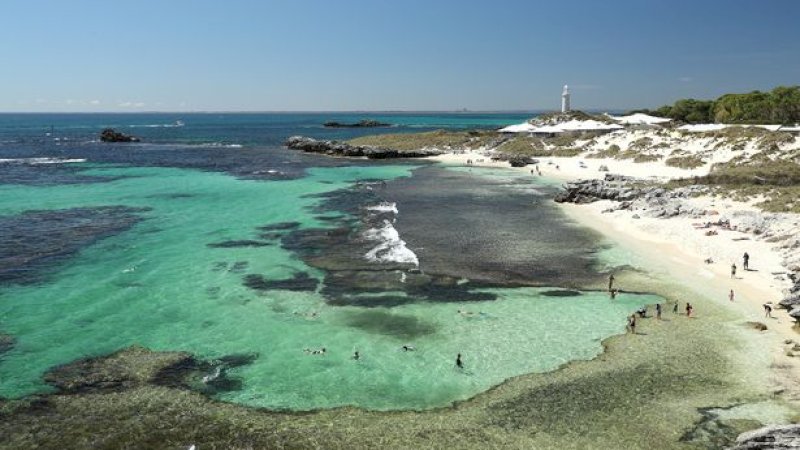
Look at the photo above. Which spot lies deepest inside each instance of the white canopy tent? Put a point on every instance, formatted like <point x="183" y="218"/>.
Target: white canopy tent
<point x="640" y="119"/>
<point x="518" y="128"/>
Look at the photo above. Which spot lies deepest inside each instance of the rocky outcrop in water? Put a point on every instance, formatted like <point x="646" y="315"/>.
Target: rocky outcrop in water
<point x="112" y="135"/>
<point x="366" y="123"/>
<point x="7" y="342"/>
<point x="336" y="148"/>
<point x="137" y="366"/>
<point x="769" y="437"/>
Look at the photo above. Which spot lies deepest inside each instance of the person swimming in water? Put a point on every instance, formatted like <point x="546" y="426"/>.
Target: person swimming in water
<point x="408" y="348"/>
<point x="356" y="356"/>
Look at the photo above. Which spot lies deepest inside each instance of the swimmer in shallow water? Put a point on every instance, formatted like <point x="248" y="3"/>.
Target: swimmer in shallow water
<point x="408" y="348"/>
<point x="320" y="351"/>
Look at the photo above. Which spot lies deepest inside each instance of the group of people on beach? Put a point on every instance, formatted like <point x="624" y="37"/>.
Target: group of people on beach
<point x="471" y="162"/>
<point x="642" y="312"/>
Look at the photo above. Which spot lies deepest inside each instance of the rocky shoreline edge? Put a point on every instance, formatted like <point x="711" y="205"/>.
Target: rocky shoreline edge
<point x="337" y="148"/>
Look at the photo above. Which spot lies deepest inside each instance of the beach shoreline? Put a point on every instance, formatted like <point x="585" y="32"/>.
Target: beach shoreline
<point x="677" y="248"/>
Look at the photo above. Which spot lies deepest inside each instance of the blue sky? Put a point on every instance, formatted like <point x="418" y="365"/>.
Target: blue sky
<point x="301" y="55"/>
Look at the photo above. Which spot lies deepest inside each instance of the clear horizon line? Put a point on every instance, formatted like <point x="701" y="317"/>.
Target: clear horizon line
<point x="349" y="111"/>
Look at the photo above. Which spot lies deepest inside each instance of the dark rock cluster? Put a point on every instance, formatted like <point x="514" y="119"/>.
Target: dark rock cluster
<point x="366" y="123"/>
<point x="588" y="191"/>
<point x="658" y="201"/>
<point x="112" y="135"/>
<point x="335" y="148"/>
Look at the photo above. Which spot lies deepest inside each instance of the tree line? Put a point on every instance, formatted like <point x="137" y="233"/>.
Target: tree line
<point x="778" y="106"/>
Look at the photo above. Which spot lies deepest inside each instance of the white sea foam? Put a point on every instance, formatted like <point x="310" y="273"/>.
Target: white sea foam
<point x="384" y="207"/>
<point x="176" y="124"/>
<point x="391" y="247"/>
<point x="42" y="160"/>
<point x="219" y="145"/>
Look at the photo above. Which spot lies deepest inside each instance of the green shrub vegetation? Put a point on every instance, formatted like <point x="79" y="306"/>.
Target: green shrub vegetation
<point x="779" y="106"/>
<point x="644" y="157"/>
<point x="523" y="146"/>
<point x="685" y="162"/>
<point x="567" y="151"/>
<point x="611" y="152"/>
<point x="777" y="181"/>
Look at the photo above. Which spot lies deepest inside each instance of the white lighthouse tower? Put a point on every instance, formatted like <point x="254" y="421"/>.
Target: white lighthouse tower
<point x="565" y="99"/>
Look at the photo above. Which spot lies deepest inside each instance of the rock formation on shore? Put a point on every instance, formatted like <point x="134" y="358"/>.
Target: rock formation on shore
<point x="769" y="437"/>
<point x="111" y="135"/>
<point x="365" y="123"/>
<point x="335" y="148"/>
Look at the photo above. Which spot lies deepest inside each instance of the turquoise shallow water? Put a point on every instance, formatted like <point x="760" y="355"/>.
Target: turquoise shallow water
<point x="161" y="286"/>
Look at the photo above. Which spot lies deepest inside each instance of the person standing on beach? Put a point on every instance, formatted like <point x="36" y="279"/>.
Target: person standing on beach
<point x="746" y="260"/>
<point x="610" y="282"/>
<point x="632" y="323"/>
<point x="675" y="308"/>
<point x="733" y="270"/>
<point x="731" y="295"/>
<point x="658" y="311"/>
<point x="689" y="309"/>
<point x="767" y="310"/>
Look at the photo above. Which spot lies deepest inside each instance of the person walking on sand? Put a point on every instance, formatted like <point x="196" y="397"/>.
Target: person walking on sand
<point x="459" y="363"/>
<point x="746" y="261"/>
<point x="767" y="310"/>
<point x="689" y="309"/>
<point x="658" y="311"/>
<point x="632" y="323"/>
<point x="675" y="308"/>
<point x="610" y="282"/>
<point x="733" y="270"/>
<point x="731" y="295"/>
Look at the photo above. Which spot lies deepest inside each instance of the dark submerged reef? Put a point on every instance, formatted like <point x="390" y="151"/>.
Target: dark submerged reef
<point x="36" y="242"/>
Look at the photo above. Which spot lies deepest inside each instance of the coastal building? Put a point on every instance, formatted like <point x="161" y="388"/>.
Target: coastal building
<point x="565" y="99"/>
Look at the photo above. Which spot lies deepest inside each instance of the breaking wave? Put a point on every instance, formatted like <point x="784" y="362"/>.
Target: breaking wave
<point x="41" y="160"/>
<point x="390" y="248"/>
